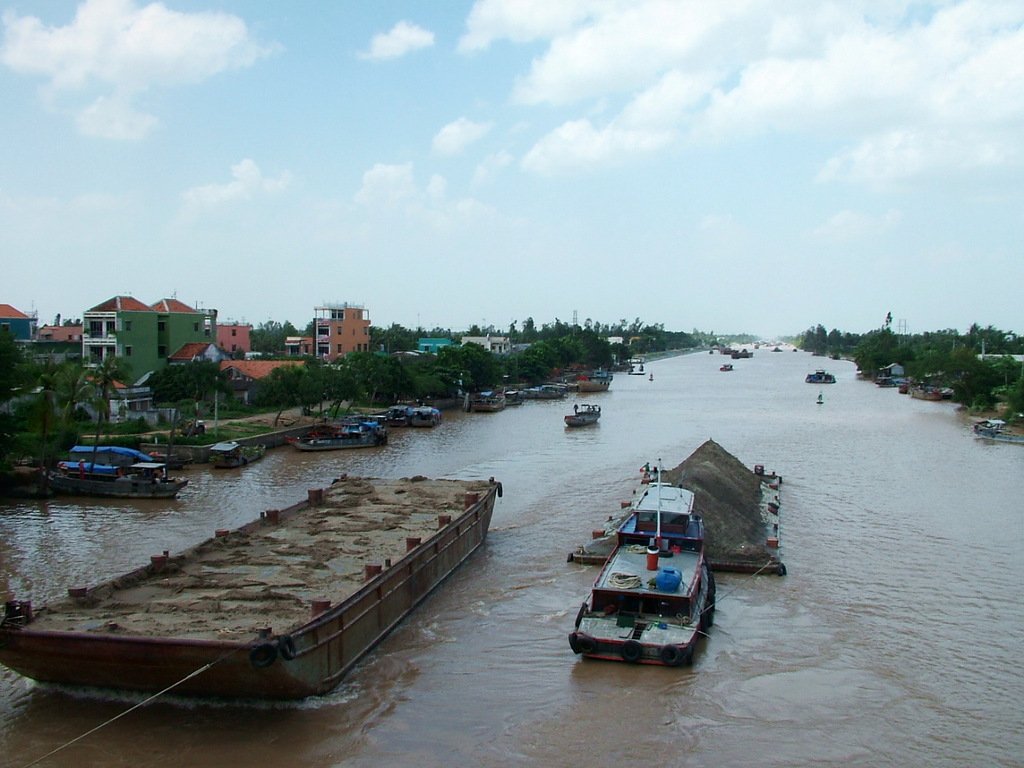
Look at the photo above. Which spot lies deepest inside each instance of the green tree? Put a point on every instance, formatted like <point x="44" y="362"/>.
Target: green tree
<point x="111" y="371"/>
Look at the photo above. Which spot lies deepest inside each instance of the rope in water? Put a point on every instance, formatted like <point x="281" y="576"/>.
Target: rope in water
<point x="131" y="709"/>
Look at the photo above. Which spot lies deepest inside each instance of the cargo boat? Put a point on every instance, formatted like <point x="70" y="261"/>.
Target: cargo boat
<point x="281" y="608"/>
<point x="655" y="595"/>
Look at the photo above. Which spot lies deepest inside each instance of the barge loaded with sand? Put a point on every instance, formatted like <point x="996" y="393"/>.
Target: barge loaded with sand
<point x="281" y="608"/>
<point x="739" y="507"/>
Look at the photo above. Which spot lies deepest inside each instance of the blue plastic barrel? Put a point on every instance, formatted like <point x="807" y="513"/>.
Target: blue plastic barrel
<point x="668" y="579"/>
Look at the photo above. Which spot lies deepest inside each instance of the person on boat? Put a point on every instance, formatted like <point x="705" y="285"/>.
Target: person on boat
<point x="575" y="408"/>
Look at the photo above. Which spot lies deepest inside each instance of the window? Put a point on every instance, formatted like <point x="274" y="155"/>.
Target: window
<point x="95" y="327"/>
<point x="234" y="332"/>
<point x="5" y="327"/>
<point x="340" y="350"/>
<point x="161" y="351"/>
<point x="127" y="325"/>
<point x="195" y="327"/>
<point x="161" y="325"/>
<point x="128" y="351"/>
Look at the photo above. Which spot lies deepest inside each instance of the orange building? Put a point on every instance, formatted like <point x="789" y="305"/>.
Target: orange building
<point x="341" y="329"/>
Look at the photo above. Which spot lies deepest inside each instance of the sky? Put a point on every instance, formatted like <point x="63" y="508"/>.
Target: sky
<point x="753" y="166"/>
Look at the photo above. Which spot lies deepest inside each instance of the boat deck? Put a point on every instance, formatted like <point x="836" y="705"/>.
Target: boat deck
<point x="228" y="587"/>
<point x="632" y="561"/>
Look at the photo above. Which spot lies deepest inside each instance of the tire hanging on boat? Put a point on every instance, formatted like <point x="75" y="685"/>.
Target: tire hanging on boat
<point x="286" y="647"/>
<point x="632" y="650"/>
<point x="671" y="655"/>
<point x="263" y="655"/>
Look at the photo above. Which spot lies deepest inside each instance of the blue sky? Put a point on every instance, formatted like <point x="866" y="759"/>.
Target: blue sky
<point x="758" y="166"/>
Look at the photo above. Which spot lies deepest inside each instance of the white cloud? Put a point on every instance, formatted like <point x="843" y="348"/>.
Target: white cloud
<point x="403" y="38"/>
<point x="118" y="49"/>
<point x="852" y="225"/>
<point x="520" y="21"/>
<point x="390" y="194"/>
<point x="456" y="136"/>
<point x="488" y="170"/>
<point x="248" y="183"/>
<point x="905" y="87"/>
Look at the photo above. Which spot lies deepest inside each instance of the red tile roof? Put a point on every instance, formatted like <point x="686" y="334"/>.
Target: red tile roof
<point x="121" y="304"/>
<point x="256" y="369"/>
<point x="173" y="305"/>
<point x="6" y="310"/>
<point x="190" y="351"/>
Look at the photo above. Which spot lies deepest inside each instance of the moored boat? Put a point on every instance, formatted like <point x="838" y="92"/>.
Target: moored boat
<point x="545" y="392"/>
<point x="582" y="415"/>
<point x="229" y="454"/>
<point x="595" y="381"/>
<point x="726" y="367"/>
<point x="350" y="433"/>
<point x="398" y="416"/>
<point x="926" y="393"/>
<point x="141" y="480"/>
<point x="424" y="416"/>
<point x="200" y="623"/>
<point x="996" y="429"/>
<point x="490" y="401"/>
<point x="655" y="595"/>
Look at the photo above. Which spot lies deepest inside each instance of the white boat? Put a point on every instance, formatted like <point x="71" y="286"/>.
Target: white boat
<point x="995" y="429"/>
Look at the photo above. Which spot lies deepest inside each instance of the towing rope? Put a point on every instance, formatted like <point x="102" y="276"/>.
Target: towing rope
<point x="131" y="709"/>
<point x="624" y="581"/>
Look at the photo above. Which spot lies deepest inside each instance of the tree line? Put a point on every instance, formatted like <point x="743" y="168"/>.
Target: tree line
<point x="977" y="365"/>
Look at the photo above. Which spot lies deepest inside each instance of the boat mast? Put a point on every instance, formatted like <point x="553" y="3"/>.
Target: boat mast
<point x="657" y="535"/>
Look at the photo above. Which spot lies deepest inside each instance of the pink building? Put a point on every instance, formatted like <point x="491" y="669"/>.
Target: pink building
<point x="234" y="337"/>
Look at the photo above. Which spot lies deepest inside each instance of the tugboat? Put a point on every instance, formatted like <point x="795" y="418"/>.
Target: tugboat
<point x="655" y="595"/>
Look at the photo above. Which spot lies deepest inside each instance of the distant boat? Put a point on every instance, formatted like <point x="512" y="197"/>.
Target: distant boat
<point x="995" y="429"/>
<point x="726" y="367"/>
<point x="821" y="398"/>
<point x="545" y="392"/>
<point x="424" y="416"/>
<point x="490" y="401"/>
<point x="583" y="415"/>
<point x="353" y="433"/>
<point x="595" y="381"/>
<point x="820" y="377"/>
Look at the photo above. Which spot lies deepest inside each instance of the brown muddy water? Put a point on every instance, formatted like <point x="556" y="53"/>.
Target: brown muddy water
<point x="895" y="640"/>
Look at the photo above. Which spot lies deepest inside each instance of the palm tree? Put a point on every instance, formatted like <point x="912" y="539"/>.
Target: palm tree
<point x="44" y="417"/>
<point x="73" y="389"/>
<point x="104" y="378"/>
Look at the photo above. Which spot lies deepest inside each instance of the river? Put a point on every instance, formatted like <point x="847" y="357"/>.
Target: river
<point x="894" y="640"/>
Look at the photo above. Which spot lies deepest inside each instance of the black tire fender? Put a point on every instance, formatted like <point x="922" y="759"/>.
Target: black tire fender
<point x="632" y="651"/>
<point x="671" y="655"/>
<point x="263" y="655"/>
<point x="286" y="647"/>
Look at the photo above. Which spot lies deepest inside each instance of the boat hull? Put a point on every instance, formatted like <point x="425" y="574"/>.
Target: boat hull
<point x="309" y="660"/>
<point x="121" y="488"/>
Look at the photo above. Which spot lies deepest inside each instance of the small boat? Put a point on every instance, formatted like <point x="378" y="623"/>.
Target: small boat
<point x="996" y="429"/>
<point x="926" y="393"/>
<point x="398" y="416"/>
<point x="545" y="392"/>
<point x="424" y="416"/>
<point x="655" y="595"/>
<point x="595" y="381"/>
<point x="229" y="454"/>
<point x="141" y="480"/>
<point x="820" y="377"/>
<point x="513" y="397"/>
<point x="350" y="433"/>
<point x="726" y="367"/>
<point x="485" y="402"/>
<point x="583" y="415"/>
<point x="303" y="602"/>
<point x="636" y="367"/>
<point x="172" y="460"/>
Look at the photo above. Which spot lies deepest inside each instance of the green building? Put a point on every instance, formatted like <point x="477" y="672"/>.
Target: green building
<point x="145" y="336"/>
